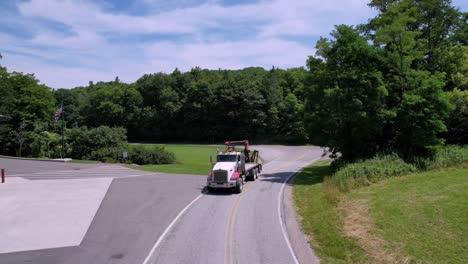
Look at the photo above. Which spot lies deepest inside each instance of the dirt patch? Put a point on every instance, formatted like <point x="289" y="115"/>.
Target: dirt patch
<point x="358" y="224"/>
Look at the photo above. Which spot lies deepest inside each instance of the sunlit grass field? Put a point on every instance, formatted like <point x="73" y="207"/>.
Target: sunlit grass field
<point x="191" y="159"/>
<point x="419" y="217"/>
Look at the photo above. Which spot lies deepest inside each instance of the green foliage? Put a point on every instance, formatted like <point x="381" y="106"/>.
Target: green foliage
<point x="373" y="88"/>
<point x="96" y="143"/>
<point x="35" y="102"/>
<point x="106" y="154"/>
<point x="457" y="123"/>
<point x="365" y="172"/>
<point x="381" y="88"/>
<point x="420" y="114"/>
<point x="291" y="114"/>
<point x="431" y="27"/>
<point x="345" y="99"/>
<point x="457" y="62"/>
<point x="200" y="105"/>
<point x="25" y="106"/>
<point x="144" y="154"/>
<point x="108" y="145"/>
<point x="448" y="156"/>
<point x="349" y="176"/>
<point x="45" y="144"/>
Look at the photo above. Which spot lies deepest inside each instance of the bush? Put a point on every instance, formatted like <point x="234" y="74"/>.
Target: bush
<point x="142" y="155"/>
<point x="447" y="156"/>
<point x="368" y="171"/>
<point x="96" y="142"/>
<point x="348" y="176"/>
<point x="45" y="144"/>
<point x="108" y="155"/>
<point x="457" y="123"/>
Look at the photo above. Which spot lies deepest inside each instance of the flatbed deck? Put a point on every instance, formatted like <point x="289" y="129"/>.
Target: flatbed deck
<point x="249" y="166"/>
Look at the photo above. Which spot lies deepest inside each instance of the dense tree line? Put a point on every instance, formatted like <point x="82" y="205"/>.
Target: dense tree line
<point x="398" y="83"/>
<point x="198" y="106"/>
<point x="390" y="85"/>
<point x="206" y="106"/>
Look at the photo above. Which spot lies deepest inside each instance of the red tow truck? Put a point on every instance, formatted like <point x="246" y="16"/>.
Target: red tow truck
<point x="233" y="167"/>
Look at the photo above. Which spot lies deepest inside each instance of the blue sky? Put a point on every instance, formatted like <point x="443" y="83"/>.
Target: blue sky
<point x="68" y="43"/>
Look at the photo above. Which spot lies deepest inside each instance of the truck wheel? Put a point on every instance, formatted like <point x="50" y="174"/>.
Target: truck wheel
<point x="239" y="185"/>
<point x="256" y="174"/>
<point x="250" y="176"/>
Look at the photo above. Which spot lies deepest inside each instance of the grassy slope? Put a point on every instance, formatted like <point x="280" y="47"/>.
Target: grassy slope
<point x="423" y="216"/>
<point x="320" y="219"/>
<point x="191" y="159"/>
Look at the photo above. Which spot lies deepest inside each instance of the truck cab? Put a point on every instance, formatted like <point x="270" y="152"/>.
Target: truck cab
<point x="228" y="171"/>
<point x="233" y="167"/>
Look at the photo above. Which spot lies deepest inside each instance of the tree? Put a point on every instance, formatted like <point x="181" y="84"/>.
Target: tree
<point x="416" y="104"/>
<point x="291" y="116"/>
<point x="457" y="123"/>
<point x="345" y="97"/>
<point x="421" y="114"/>
<point x="435" y="27"/>
<point x="7" y="106"/>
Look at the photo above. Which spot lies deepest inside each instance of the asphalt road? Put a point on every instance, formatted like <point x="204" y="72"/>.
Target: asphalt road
<point x="133" y="214"/>
<point x="131" y="224"/>
<point x="227" y="228"/>
<point x="18" y="166"/>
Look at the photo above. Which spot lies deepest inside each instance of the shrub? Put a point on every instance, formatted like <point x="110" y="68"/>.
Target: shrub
<point x="45" y="144"/>
<point x="447" y="156"/>
<point x="365" y="172"/>
<point x="142" y="155"/>
<point x="108" y="155"/>
<point x="457" y="123"/>
<point x="96" y="142"/>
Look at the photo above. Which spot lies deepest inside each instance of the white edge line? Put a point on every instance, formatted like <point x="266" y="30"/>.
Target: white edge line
<point x="168" y="228"/>
<point x="283" y="227"/>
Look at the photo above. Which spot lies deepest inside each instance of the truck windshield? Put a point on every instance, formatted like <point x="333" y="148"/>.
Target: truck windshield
<point x="227" y="158"/>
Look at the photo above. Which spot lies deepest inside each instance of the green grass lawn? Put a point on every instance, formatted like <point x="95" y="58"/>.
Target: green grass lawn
<point x="422" y="217"/>
<point x="320" y="218"/>
<point x="191" y="159"/>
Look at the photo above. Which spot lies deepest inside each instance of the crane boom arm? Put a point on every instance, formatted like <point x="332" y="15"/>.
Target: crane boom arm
<point x="238" y="143"/>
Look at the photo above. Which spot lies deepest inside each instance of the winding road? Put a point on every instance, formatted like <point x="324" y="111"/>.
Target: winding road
<point x="166" y="218"/>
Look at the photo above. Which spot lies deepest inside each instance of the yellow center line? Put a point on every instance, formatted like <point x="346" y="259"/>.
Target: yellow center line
<point x="228" y="237"/>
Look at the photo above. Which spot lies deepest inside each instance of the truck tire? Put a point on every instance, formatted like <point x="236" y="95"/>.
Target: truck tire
<point x="251" y="176"/>
<point x="256" y="174"/>
<point x="239" y="185"/>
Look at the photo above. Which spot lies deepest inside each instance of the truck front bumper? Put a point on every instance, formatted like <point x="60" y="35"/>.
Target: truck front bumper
<point x="221" y="185"/>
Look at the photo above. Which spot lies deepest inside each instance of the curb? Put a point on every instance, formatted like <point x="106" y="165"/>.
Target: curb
<point x="49" y="160"/>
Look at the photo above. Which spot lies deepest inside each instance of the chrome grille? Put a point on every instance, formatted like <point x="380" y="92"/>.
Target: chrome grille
<point x="220" y="176"/>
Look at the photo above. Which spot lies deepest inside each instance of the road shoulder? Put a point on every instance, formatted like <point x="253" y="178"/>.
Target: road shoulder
<point x="299" y="241"/>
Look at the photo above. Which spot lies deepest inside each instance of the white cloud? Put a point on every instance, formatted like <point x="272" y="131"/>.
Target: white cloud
<point x="88" y="54"/>
<point x="230" y="55"/>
